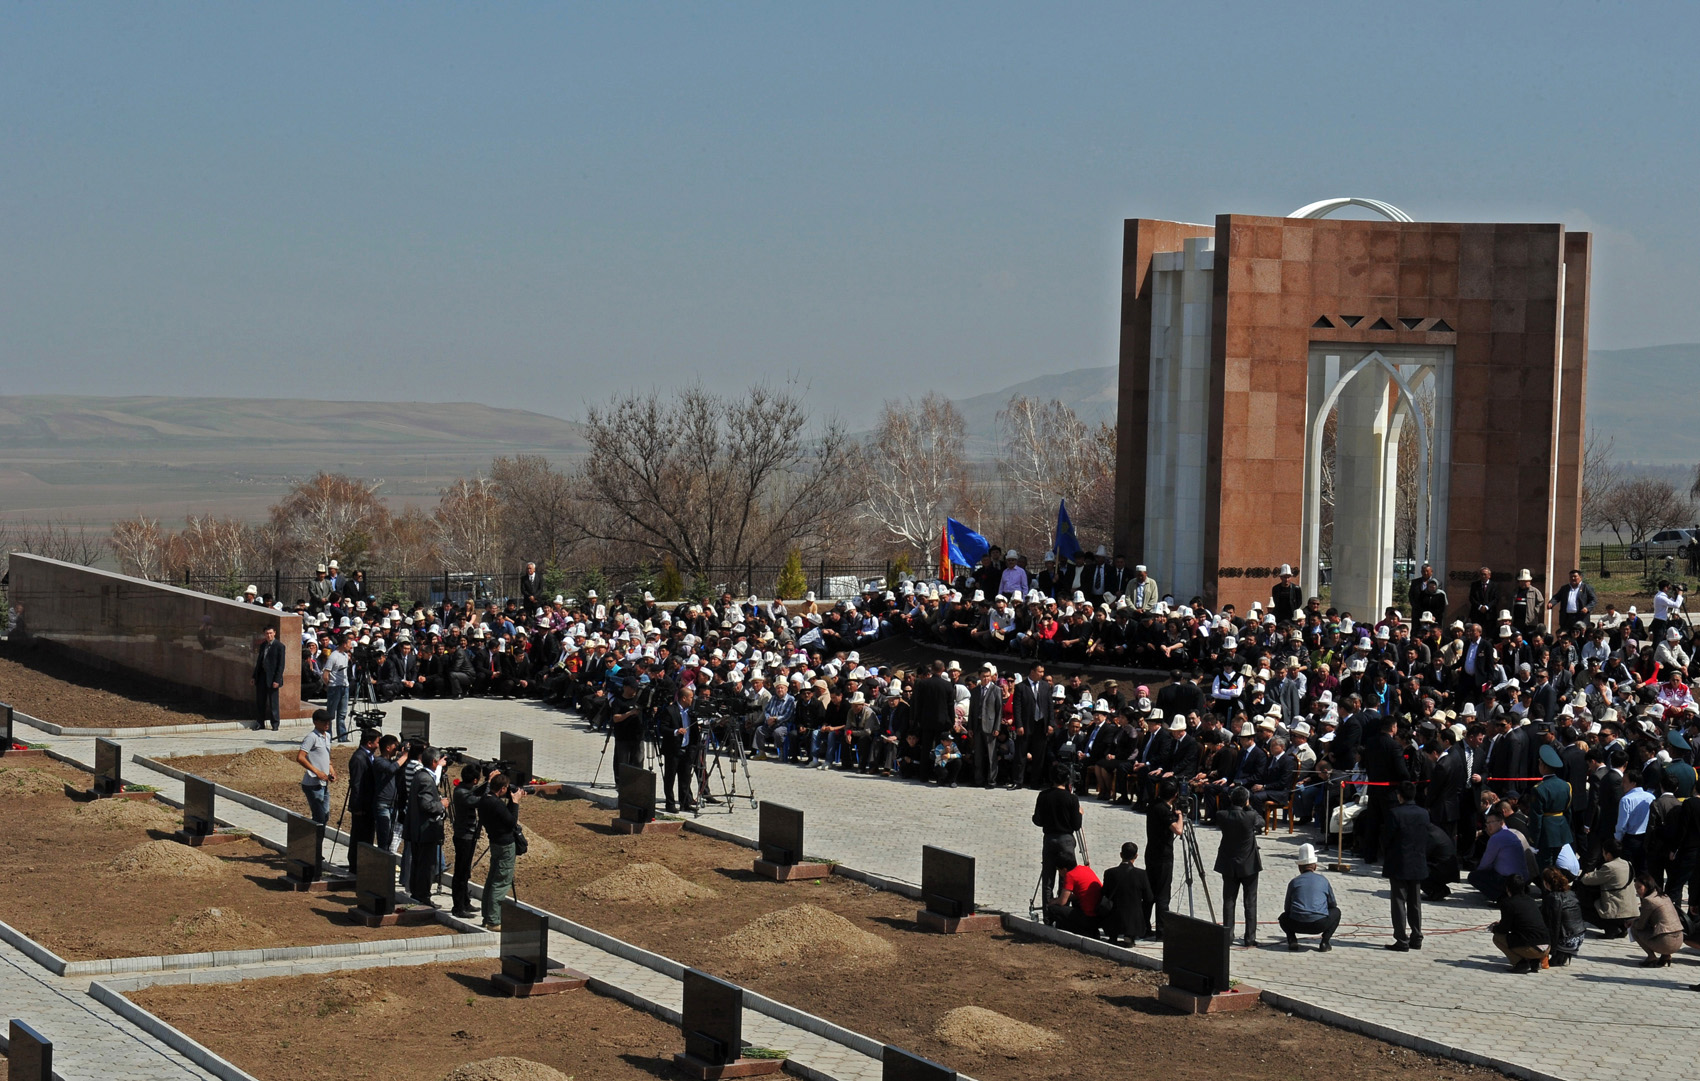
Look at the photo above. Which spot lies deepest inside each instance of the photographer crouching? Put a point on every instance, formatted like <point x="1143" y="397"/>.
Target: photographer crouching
<point x="498" y="813"/>
<point x="1057" y="814"/>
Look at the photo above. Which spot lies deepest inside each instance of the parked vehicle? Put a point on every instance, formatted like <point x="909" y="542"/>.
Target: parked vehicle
<point x="1666" y="542"/>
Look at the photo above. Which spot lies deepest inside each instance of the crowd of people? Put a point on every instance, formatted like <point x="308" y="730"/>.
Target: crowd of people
<point x="1546" y="744"/>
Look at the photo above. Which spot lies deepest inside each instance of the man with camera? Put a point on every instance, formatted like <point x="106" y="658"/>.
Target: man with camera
<point x="424" y="829"/>
<point x="498" y="813"/>
<point x="678" y="748"/>
<point x="360" y="792"/>
<point x="626" y="716"/>
<point x="463" y="819"/>
<point x="1057" y="814"/>
<point x="388" y="790"/>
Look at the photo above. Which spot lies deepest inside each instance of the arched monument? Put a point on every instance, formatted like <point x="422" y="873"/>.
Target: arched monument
<point x="1239" y="340"/>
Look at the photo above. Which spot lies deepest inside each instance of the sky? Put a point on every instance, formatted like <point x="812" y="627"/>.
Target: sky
<point x="540" y="206"/>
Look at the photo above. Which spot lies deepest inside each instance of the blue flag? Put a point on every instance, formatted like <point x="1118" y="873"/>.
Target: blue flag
<point x="1067" y="546"/>
<point x="967" y="547"/>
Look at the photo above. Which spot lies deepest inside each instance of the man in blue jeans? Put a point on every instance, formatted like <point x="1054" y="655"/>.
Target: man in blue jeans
<point x="386" y="787"/>
<point x="336" y="686"/>
<point x="315" y="757"/>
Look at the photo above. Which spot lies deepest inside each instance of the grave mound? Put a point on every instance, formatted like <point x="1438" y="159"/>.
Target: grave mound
<point x="806" y="934"/>
<point x="345" y="994"/>
<point x="647" y="883"/>
<point x="28" y="781"/>
<point x="258" y="764"/>
<point x="126" y="814"/>
<point x="505" y="1068"/>
<point x="987" y="1032"/>
<point x="168" y="859"/>
<point x="220" y="929"/>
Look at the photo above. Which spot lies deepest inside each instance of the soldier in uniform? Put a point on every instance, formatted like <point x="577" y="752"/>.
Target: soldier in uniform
<point x="1547" y="804"/>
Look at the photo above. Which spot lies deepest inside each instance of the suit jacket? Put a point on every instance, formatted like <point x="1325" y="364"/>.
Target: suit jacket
<point x="1183" y="756"/>
<point x="1286" y="600"/>
<point x="1116" y="579"/>
<point x="671" y="721"/>
<point x="985" y="708"/>
<point x="934" y="705"/>
<point x="1278" y="774"/>
<point x="1384" y="760"/>
<point x="1128" y="889"/>
<point x="268" y="664"/>
<point x="1446" y="787"/>
<point x="1405" y="853"/>
<point x="1238" y="852"/>
<point x="531" y="587"/>
<point x="1026" y="706"/>
<point x="398" y="667"/>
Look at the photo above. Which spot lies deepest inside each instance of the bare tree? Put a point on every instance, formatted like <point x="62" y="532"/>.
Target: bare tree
<point x="468" y="523"/>
<point x="913" y="471"/>
<point x="58" y="538"/>
<point x="1640" y="506"/>
<point x="537" y="507"/>
<point x="139" y="545"/>
<point x="223" y="549"/>
<point x="331" y="516"/>
<point x="408" y="544"/>
<point x="712" y="481"/>
<point x="1601" y="476"/>
<point x="1049" y="454"/>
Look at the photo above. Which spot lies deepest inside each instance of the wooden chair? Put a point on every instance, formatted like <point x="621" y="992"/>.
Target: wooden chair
<point x="1271" y="810"/>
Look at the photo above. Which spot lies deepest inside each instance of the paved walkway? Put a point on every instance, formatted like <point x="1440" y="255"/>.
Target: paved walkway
<point x="1595" y="1019"/>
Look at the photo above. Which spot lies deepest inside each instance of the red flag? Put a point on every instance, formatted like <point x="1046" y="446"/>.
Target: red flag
<point x="946" y="572"/>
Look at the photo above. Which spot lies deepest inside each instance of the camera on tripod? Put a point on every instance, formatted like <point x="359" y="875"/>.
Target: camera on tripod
<point x="369" y="658"/>
<point x="457" y="756"/>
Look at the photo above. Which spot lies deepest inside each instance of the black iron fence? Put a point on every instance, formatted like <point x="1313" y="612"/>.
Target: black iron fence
<point x="825" y="580"/>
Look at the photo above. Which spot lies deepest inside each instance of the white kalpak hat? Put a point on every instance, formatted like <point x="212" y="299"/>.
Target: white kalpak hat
<point x="1307" y="855"/>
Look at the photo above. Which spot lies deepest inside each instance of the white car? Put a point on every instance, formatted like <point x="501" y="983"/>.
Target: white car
<point x="1666" y="542"/>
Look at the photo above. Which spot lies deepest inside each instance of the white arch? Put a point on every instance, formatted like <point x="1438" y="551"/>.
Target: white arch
<point x="1324" y="207"/>
<point x="1311" y="551"/>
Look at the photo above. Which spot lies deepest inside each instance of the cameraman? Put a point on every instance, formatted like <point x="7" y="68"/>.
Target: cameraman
<point x="1057" y="814"/>
<point x="463" y="808"/>
<point x="425" y="814"/>
<point x="335" y="674"/>
<point x="498" y="813"/>
<point x="387" y="790"/>
<point x="626" y="714"/>
<point x="360" y="792"/>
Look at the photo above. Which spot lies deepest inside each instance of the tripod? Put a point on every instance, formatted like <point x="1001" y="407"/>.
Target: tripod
<point x="1190" y="856"/>
<point x="365" y="712"/>
<point x="728" y="788"/>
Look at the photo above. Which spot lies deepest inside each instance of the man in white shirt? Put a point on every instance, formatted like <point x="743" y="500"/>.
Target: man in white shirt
<point x="315" y="758"/>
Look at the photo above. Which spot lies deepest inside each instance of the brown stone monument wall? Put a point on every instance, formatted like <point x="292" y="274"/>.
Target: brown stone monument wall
<point x="157" y="632"/>
<point x="1491" y="291"/>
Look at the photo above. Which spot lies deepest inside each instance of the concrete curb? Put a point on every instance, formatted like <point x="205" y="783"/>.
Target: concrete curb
<point x="1072" y="941"/>
<point x="149" y="730"/>
<point x="177" y="962"/>
<point x="32" y="949"/>
<point x="164" y="1033"/>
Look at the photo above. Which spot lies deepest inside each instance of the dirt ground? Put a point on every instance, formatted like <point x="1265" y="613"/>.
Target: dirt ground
<point x="64" y="889"/>
<point x="53" y="689"/>
<point x="689" y="897"/>
<point x="412" y="1024"/>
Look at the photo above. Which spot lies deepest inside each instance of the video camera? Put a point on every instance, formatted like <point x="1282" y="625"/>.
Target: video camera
<point x="457" y="756"/>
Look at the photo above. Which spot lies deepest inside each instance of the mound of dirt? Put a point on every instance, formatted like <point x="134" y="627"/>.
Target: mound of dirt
<point x="220" y="929"/>
<point x="28" y="781"/>
<point x="540" y="850"/>
<point x="506" y="1068"/>
<point x="168" y="859"/>
<point x="345" y="994"/>
<point x="126" y="814"/>
<point x="646" y="883"/>
<point x="987" y="1032"/>
<point x="258" y="764"/>
<point x="806" y="933"/>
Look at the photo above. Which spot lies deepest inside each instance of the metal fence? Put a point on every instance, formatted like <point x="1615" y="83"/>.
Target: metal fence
<point x="826" y="580"/>
<point x="1641" y="563"/>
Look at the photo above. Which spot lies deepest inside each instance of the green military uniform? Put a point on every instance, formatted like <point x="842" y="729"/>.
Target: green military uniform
<point x="1547" y="805"/>
<point x="1681" y="777"/>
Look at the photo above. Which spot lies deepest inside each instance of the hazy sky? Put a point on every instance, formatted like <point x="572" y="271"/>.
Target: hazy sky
<point x="535" y="205"/>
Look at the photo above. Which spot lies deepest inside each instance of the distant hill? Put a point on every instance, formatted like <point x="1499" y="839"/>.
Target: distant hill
<point x="1643" y="397"/>
<point x="66" y="420"/>
<point x="99" y="459"/>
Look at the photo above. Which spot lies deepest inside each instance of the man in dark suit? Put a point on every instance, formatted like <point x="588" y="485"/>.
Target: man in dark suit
<point x="1350" y="732"/>
<point x="1576" y="773"/>
<point x="1482" y="599"/>
<point x="934" y="705"/>
<point x="398" y="676"/>
<point x="1384" y="767"/>
<point x="1128" y="889"/>
<point x="1285" y="597"/>
<point x="678" y="746"/>
<point x="1446" y="786"/>
<point x="1574" y="602"/>
<point x="268" y="678"/>
<point x="1027" y="702"/>
<point x="360" y="793"/>
<point x="985" y="713"/>
<point x="1238" y="861"/>
<point x="1406" y="866"/>
<point x="531" y="587"/>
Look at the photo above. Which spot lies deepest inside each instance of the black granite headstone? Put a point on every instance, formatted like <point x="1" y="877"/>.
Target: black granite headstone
<point x="636" y="793"/>
<point x="374" y="880"/>
<point x="29" y="1055"/>
<point x="1196" y="953"/>
<point x="897" y="1064"/>
<point x="108" y="769"/>
<point x="415" y="725"/>
<point x="198" y="807"/>
<point x="6" y="718"/>
<point x="525" y="942"/>
<point x="712" y="1018"/>
<point x="947" y="882"/>
<point x="304" y="841"/>
<point x="780" y="834"/>
<point x="516" y="751"/>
